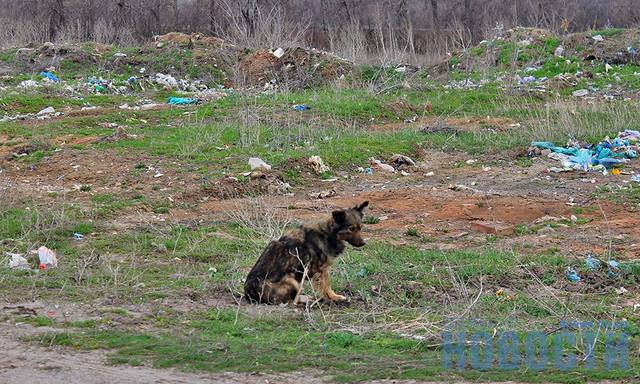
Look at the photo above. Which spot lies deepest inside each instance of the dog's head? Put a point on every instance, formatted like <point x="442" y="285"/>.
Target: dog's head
<point x="349" y="224"/>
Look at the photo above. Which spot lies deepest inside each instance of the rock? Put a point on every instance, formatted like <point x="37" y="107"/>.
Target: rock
<point x="322" y="194"/>
<point x="492" y="228"/>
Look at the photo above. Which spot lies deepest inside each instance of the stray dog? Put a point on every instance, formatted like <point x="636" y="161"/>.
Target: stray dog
<point x="307" y="252"/>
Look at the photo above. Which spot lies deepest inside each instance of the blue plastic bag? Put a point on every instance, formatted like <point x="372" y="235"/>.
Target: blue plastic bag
<point x="301" y="107"/>
<point x="182" y="101"/>
<point x="572" y="275"/>
<point x="50" y="76"/>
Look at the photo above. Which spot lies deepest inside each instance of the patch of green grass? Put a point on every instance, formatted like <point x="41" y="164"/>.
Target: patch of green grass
<point x="223" y="340"/>
<point x="371" y="220"/>
<point x="627" y="195"/>
<point x="412" y="231"/>
<point x="609" y="32"/>
<point x="38" y="321"/>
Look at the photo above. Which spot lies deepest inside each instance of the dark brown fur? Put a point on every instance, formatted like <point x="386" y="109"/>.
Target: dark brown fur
<point x="277" y="275"/>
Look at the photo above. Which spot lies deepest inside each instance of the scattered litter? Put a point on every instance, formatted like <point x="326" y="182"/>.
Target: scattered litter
<point x="592" y="263"/>
<point x="167" y="81"/>
<point x="28" y="84"/>
<point x="318" y="165"/>
<point x="559" y="51"/>
<point x="635" y="178"/>
<point x="322" y="194"/>
<point x="18" y="262"/>
<point x="527" y="80"/>
<point x="621" y="290"/>
<point x="47" y="258"/>
<point x="614" y="268"/>
<point x="471" y="161"/>
<point x="120" y="54"/>
<point x="78" y="236"/>
<point x="607" y="67"/>
<point x="629" y="135"/>
<point x="598" y="38"/>
<point x="258" y="163"/>
<point x="278" y="53"/>
<point x="301" y="107"/>
<point x="403" y="173"/>
<point x="182" y="101"/>
<point x="605" y="155"/>
<point x="572" y="275"/>
<point x="48" y="76"/>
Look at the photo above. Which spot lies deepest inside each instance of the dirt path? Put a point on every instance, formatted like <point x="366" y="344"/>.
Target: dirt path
<point x="22" y="363"/>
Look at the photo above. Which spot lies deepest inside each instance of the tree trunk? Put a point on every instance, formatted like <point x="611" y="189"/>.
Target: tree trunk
<point x="434" y="14"/>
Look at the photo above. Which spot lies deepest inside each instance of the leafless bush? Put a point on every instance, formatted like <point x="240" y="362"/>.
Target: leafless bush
<point x="262" y="216"/>
<point x="258" y="27"/>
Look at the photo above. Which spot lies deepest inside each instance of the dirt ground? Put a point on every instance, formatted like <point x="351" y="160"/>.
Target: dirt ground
<point x="442" y="205"/>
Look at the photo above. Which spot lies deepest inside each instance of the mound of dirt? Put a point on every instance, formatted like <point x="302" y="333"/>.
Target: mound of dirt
<point x="621" y="47"/>
<point x="181" y="54"/>
<point x="532" y="47"/>
<point x="193" y="40"/>
<point x="50" y="54"/>
<point x="295" y="67"/>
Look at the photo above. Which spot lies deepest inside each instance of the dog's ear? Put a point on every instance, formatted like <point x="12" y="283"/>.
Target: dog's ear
<point x="339" y="216"/>
<point x="362" y="206"/>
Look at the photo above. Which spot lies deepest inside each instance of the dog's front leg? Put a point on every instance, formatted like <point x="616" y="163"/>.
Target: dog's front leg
<point x="322" y="284"/>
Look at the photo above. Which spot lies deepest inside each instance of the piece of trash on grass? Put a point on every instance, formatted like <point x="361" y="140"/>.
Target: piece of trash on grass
<point x="572" y="275"/>
<point x="18" y="262"/>
<point x="621" y="290"/>
<point x="635" y="178"/>
<point x="47" y="258"/>
<point x="598" y="38"/>
<point x="182" y="101"/>
<point x="258" y="163"/>
<point x="380" y="165"/>
<point x="592" y="263"/>
<point x="318" y="165"/>
<point x="301" y="107"/>
<point x="278" y="53"/>
<point x="46" y="111"/>
<point x="78" y="236"/>
<point x="46" y="75"/>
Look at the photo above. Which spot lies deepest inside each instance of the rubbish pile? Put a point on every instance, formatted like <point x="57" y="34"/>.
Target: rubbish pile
<point x="608" y="154"/>
<point x="169" y="82"/>
<point x="594" y="265"/>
